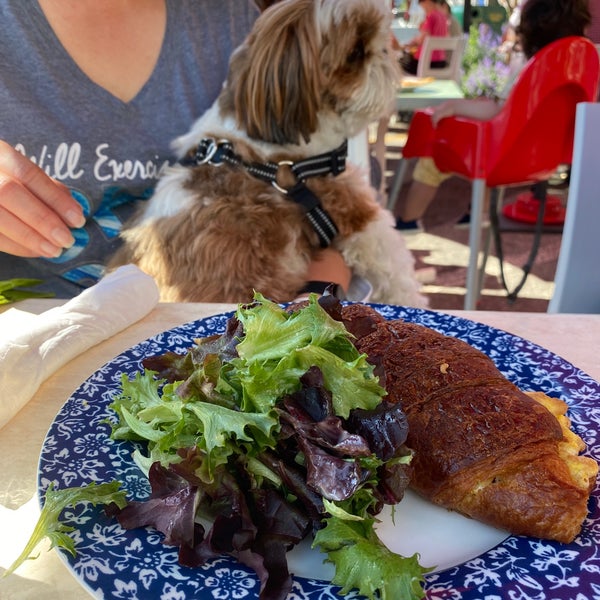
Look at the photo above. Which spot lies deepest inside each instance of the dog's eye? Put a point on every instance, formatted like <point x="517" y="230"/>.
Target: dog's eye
<point x="358" y="53"/>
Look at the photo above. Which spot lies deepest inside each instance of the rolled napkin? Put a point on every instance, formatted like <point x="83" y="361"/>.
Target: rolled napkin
<point x="32" y="349"/>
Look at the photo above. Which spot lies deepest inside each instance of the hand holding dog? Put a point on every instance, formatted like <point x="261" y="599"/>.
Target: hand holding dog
<point x="329" y="265"/>
<point x="36" y="211"/>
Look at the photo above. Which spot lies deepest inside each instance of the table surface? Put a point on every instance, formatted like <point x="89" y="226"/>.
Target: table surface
<point x="575" y="338"/>
<point x="429" y="94"/>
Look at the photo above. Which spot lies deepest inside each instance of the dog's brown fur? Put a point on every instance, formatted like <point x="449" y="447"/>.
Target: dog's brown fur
<point x="242" y="232"/>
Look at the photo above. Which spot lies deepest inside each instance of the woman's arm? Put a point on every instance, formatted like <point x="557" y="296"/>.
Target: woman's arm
<point x="474" y="108"/>
<point x="419" y="38"/>
<point x="416" y="41"/>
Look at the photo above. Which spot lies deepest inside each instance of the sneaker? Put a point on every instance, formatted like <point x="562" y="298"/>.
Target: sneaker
<point x="408" y="226"/>
<point x="465" y="221"/>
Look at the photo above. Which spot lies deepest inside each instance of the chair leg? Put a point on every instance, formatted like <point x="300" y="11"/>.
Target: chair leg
<point x="379" y="146"/>
<point x="477" y="202"/>
<point x="496" y="197"/>
<point x="397" y="182"/>
<point x="487" y="242"/>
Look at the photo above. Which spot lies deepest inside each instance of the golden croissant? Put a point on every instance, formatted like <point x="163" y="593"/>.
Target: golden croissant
<point x="482" y="446"/>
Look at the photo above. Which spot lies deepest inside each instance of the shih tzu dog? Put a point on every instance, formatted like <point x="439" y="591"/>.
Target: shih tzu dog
<point x="263" y="183"/>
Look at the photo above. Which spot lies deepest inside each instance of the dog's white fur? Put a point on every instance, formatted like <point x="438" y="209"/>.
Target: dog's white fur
<point x="311" y="74"/>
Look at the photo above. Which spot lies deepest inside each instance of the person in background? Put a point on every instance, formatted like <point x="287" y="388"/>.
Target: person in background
<point x="413" y="12"/>
<point x="454" y="27"/>
<point x="435" y="24"/>
<point x="541" y="22"/>
<point x="510" y="47"/>
<point x="92" y="95"/>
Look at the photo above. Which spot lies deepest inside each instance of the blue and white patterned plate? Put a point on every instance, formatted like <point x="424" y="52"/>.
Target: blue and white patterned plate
<point x="113" y="563"/>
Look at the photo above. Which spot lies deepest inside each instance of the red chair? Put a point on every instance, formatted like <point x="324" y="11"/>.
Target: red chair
<point x="525" y="143"/>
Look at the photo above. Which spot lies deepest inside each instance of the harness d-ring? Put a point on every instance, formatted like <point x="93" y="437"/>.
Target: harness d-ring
<point x="275" y="184"/>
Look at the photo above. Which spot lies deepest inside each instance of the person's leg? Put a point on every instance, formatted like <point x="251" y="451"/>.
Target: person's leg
<point x="420" y="196"/>
<point x="426" y="180"/>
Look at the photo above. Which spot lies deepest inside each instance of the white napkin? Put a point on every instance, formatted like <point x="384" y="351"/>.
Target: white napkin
<point x="33" y="348"/>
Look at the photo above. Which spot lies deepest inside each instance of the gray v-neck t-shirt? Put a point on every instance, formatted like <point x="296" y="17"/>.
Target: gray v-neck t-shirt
<point x="109" y="152"/>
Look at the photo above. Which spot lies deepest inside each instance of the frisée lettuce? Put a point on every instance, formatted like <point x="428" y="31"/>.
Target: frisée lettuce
<point x="49" y="525"/>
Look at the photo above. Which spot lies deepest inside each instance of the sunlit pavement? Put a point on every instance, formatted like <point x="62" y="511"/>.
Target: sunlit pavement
<point x="443" y="252"/>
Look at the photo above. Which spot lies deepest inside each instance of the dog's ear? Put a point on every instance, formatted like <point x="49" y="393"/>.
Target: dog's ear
<point x="275" y="78"/>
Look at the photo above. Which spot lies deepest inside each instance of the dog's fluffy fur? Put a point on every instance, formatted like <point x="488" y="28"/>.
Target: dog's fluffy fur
<point x="311" y="74"/>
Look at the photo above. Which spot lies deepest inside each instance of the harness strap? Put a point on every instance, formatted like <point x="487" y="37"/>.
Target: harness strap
<point x="317" y="216"/>
<point x="216" y="152"/>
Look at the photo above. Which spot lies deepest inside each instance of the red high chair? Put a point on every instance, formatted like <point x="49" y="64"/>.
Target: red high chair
<point x="525" y="143"/>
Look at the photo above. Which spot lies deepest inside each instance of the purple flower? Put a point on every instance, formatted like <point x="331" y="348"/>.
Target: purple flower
<point x="485" y="72"/>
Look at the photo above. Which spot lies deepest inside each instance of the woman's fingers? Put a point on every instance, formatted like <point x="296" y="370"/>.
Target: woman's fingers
<point x="29" y="222"/>
<point x="36" y="212"/>
<point x="11" y="247"/>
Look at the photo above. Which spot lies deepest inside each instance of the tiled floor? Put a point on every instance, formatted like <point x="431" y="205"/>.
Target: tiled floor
<point x="442" y="250"/>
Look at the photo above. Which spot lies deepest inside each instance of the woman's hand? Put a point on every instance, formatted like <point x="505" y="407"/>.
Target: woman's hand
<point x="443" y="110"/>
<point x="329" y="265"/>
<point x="36" y="212"/>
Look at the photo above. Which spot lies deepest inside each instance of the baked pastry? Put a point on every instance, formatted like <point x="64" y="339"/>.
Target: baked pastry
<point x="482" y="447"/>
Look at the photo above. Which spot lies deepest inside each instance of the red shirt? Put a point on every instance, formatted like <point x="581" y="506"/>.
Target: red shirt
<point x="435" y="23"/>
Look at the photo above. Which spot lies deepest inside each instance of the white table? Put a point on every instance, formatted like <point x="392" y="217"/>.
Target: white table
<point x="430" y="94"/>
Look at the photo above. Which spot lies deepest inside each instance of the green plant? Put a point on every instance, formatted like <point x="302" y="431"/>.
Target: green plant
<point x="12" y="290"/>
<point x="484" y="67"/>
